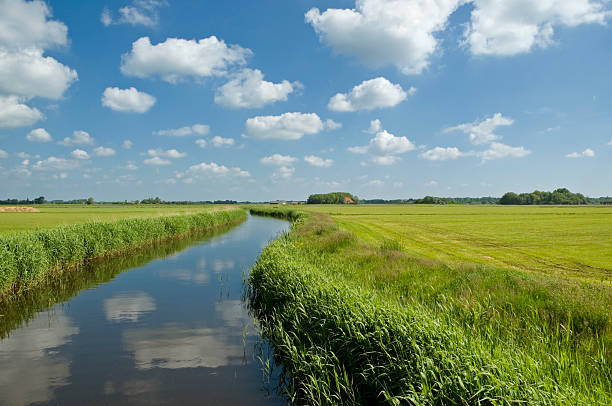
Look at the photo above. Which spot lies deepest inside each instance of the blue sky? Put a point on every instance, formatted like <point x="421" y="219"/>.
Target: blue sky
<point x="121" y="100"/>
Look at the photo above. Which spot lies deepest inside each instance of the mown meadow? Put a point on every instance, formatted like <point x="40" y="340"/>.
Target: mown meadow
<point x="573" y="241"/>
<point x="453" y="305"/>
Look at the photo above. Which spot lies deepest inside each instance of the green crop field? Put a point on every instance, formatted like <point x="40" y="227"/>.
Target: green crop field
<point x="57" y="215"/>
<point x="556" y="240"/>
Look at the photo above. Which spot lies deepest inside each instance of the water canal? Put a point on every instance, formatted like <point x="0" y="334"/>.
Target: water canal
<point x="165" y="325"/>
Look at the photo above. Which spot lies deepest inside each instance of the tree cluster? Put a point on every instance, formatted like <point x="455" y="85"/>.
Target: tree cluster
<point x="332" y="198"/>
<point x="435" y="200"/>
<point x="559" y="196"/>
<point x="152" y="200"/>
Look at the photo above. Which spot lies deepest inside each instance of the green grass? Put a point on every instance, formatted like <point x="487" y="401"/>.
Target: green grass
<point x="356" y="322"/>
<point x="58" y="215"/>
<point x="28" y="257"/>
<point x="566" y="241"/>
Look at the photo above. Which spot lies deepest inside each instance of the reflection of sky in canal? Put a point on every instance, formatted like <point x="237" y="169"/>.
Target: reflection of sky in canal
<point x="31" y="358"/>
<point x="172" y="331"/>
<point x="128" y="306"/>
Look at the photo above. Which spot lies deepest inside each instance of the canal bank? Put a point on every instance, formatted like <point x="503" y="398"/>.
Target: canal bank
<point x="172" y="329"/>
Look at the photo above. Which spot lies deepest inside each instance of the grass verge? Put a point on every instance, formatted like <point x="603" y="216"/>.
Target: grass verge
<point x="358" y="323"/>
<point x="27" y="258"/>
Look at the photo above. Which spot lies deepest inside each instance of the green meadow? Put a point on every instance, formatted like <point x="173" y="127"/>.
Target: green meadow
<point x="57" y="215"/>
<point x="439" y="305"/>
<point x="569" y="241"/>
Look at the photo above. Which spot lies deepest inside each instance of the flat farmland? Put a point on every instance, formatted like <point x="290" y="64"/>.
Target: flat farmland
<point x="56" y="215"/>
<point x="569" y="241"/>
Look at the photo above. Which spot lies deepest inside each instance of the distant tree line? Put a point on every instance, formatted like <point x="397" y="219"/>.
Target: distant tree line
<point x="435" y="200"/>
<point x="38" y="200"/>
<point x="383" y="201"/>
<point x="157" y="200"/>
<point x="332" y="198"/>
<point x="558" y="196"/>
<point x="601" y="200"/>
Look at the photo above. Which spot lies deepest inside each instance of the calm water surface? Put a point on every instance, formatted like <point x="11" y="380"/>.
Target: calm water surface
<point x="171" y="330"/>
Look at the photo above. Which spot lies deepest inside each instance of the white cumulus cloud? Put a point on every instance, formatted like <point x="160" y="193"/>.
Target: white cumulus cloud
<point x="78" y="138"/>
<point x="283" y="173"/>
<point x="371" y="94"/>
<point x="375" y="126"/>
<point x="3" y="154"/>
<point x="127" y="100"/>
<point x="127" y="144"/>
<point x="79" y="154"/>
<point x="201" y="143"/>
<point x="278" y="160"/>
<point x="139" y="12"/>
<point x="176" y="59"/>
<point x="27" y="24"/>
<point x="287" y="126"/>
<point x="26" y="31"/>
<point x="482" y="132"/>
<point x="318" y="161"/>
<point x="170" y="153"/>
<point x="498" y="150"/>
<point x="156" y="161"/>
<point x="587" y="153"/>
<point x="196" y="129"/>
<point x="13" y="113"/>
<point x="55" y="164"/>
<point x="219" y="142"/>
<point x="385" y="32"/>
<point x="103" y="151"/>
<point x="39" y="135"/>
<point x="28" y="73"/>
<point x="248" y="89"/>
<point x="332" y="125"/>
<point x="511" y="27"/>
<point x="214" y="169"/>
<point x="25" y="155"/>
<point x="384" y="148"/>
<point x="442" y="154"/>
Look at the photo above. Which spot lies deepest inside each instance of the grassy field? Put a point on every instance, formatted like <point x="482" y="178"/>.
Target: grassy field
<point x="57" y="215"/>
<point x="554" y="240"/>
<point x="388" y="318"/>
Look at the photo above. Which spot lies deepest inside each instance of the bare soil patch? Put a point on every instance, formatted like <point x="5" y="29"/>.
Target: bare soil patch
<point x="21" y="209"/>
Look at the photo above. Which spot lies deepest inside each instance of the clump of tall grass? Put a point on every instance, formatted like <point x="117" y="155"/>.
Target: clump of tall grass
<point x="343" y="337"/>
<point x="27" y="257"/>
<point x="282" y="213"/>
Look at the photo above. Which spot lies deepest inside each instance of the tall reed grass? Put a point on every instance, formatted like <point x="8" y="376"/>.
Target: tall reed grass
<point x="19" y="309"/>
<point x="345" y="338"/>
<point x="27" y="257"/>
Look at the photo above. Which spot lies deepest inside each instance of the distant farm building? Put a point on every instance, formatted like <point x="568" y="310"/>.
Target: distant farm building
<point x="348" y="200"/>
